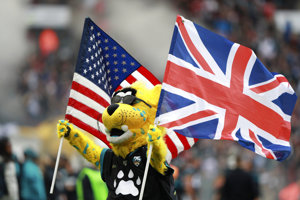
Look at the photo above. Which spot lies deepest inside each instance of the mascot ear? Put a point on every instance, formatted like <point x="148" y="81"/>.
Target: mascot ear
<point x="155" y="94"/>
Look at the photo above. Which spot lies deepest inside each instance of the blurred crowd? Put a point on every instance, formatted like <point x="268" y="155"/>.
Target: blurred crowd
<point x="46" y="76"/>
<point x="29" y="177"/>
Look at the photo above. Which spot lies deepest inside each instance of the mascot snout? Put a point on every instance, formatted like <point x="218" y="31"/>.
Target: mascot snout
<point x="121" y="120"/>
<point x="111" y="109"/>
<point x="120" y="114"/>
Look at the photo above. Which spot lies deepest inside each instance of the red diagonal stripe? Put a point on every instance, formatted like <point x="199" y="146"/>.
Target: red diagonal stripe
<point x="270" y="86"/>
<point x="192" y="117"/>
<point x="258" y="143"/>
<point x="192" y="47"/>
<point x="89" y="93"/>
<point x="87" y="128"/>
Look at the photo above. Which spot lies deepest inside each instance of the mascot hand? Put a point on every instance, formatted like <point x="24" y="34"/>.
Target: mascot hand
<point x="154" y="133"/>
<point x="64" y="128"/>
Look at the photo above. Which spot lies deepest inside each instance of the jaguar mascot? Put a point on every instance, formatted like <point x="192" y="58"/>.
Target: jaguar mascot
<point x="129" y="127"/>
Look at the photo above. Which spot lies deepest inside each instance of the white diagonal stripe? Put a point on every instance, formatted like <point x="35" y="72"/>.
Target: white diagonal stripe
<point x="195" y="37"/>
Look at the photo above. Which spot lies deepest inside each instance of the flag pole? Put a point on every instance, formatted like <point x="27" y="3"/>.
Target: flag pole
<point x="56" y="165"/>
<point x="146" y="171"/>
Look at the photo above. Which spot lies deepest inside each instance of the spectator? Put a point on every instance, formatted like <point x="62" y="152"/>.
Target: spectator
<point x="9" y="187"/>
<point x="290" y="192"/>
<point x="239" y="184"/>
<point x="89" y="185"/>
<point x="69" y="180"/>
<point x="32" y="182"/>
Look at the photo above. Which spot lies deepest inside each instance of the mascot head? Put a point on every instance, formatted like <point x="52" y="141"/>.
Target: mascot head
<point x="129" y="116"/>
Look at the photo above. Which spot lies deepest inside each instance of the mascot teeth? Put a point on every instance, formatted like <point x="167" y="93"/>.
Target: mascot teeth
<point x="117" y="136"/>
<point x="124" y="128"/>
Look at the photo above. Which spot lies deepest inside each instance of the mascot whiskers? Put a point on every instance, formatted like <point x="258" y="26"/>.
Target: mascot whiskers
<point x="129" y="127"/>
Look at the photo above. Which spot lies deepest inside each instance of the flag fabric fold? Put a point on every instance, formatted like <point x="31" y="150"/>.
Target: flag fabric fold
<point x="217" y="89"/>
<point x="102" y="67"/>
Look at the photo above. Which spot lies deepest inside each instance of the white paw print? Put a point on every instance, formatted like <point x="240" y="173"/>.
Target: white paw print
<point x="127" y="187"/>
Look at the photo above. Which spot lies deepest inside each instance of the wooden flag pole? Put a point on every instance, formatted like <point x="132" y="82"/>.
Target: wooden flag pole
<point x="56" y="165"/>
<point x="146" y="171"/>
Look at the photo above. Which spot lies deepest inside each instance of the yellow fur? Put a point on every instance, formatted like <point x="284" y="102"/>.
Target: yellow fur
<point x="139" y="124"/>
<point x="84" y="145"/>
<point x="159" y="148"/>
<point x="140" y="119"/>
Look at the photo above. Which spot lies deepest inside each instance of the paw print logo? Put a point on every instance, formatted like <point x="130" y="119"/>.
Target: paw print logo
<point x="129" y="186"/>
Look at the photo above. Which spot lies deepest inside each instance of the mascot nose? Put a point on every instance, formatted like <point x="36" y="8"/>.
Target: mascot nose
<point x="111" y="109"/>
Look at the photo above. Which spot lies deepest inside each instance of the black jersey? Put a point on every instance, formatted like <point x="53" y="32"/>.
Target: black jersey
<point x="124" y="177"/>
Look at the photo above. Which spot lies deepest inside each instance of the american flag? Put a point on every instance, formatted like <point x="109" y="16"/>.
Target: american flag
<point x="103" y="67"/>
<point x="216" y="89"/>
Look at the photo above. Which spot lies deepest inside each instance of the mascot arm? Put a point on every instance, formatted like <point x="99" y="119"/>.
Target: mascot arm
<point x="159" y="151"/>
<point x="84" y="145"/>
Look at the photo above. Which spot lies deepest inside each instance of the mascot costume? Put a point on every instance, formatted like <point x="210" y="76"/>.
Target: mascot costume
<point x="129" y="127"/>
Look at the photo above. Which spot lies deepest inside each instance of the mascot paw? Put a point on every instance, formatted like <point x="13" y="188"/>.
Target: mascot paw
<point x="154" y="133"/>
<point x="63" y="128"/>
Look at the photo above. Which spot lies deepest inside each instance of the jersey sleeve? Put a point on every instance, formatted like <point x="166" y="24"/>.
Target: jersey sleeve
<point x="106" y="158"/>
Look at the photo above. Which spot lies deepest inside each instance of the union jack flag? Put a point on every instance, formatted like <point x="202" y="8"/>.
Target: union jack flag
<point x="103" y="67"/>
<point x="216" y="89"/>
